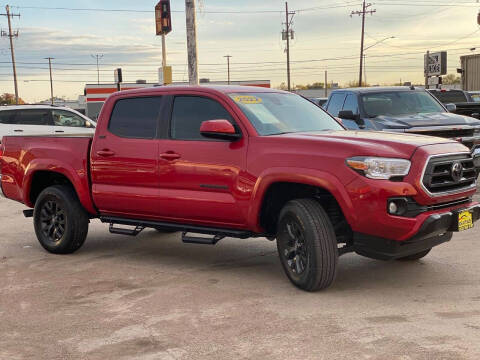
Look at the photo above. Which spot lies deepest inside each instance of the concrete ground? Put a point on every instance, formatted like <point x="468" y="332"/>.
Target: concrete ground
<point x="152" y="297"/>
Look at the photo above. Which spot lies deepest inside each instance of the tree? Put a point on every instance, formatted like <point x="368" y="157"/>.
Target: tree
<point x="451" y="79"/>
<point x="9" y="99"/>
<point x="354" y="83"/>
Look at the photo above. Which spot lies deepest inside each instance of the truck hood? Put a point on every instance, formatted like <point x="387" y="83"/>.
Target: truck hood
<point x="365" y="143"/>
<point x="423" y="120"/>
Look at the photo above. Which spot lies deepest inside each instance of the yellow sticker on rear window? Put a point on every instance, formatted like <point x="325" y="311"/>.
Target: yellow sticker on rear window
<point x="247" y="99"/>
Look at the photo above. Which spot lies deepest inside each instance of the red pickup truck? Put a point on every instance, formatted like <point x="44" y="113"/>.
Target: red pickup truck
<point x="244" y="162"/>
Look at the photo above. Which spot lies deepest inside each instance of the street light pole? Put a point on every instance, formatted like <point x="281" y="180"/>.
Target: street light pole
<point x="228" y="67"/>
<point x="51" y="81"/>
<point x="364" y="56"/>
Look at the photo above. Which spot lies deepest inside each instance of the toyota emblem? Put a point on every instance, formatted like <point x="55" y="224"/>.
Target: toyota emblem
<point x="456" y="171"/>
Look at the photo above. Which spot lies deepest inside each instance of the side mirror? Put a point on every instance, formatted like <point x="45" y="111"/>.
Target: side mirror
<point x="88" y="124"/>
<point x="219" y="129"/>
<point x="347" y="115"/>
<point x="451" y="107"/>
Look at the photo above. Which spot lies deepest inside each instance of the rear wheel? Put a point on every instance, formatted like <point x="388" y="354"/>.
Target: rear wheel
<point x="60" y="221"/>
<point x="416" y="256"/>
<point x="307" y="245"/>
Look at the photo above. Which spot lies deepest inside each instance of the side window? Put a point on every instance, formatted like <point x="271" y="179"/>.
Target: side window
<point x="351" y="104"/>
<point x="335" y="104"/>
<point x="67" y="118"/>
<point x="34" y="117"/>
<point x="188" y="114"/>
<point x="135" y="117"/>
<point x="7" y="117"/>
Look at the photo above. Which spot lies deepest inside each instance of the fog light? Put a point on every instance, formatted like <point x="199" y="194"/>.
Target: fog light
<point x="392" y="207"/>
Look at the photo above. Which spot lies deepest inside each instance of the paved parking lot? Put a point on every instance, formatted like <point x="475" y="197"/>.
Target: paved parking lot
<point x="152" y="297"/>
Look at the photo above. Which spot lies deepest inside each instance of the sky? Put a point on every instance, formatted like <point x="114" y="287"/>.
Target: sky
<point x="325" y="38"/>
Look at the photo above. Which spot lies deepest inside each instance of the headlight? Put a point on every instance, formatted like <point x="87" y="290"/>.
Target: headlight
<point x="379" y="168"/>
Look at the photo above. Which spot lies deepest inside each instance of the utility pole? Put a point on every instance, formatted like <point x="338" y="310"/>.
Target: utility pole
<point x="287" y="34"/>
<point x="98" y="57"/>
<point x="362" y="13"/>
<point x="191" y="41"/>
<point x="326" y="92"/>
<point x="228" y="67"/>
<point x="51" y="81"/>
<point x="164" y="51"/>
<point x="11" y="35"/>
<point x="365" y="69"/>
<point x="427" y="62"/>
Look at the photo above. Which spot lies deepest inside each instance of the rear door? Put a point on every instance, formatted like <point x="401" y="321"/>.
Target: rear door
<point x="201" y="178"/>
<point x="7" y="123"/>
<point x="27" y="122"/>
<point x="125" y="174"/>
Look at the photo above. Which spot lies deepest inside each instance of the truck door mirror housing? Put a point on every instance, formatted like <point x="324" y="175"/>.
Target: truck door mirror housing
<point x="451" y="107"/>
<point x="347" y="115"/>
<point x="219" y="129"/>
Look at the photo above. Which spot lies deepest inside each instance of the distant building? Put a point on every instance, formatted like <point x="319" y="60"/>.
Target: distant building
<point x="78" y="105"/>
<point x="96" y="94"/>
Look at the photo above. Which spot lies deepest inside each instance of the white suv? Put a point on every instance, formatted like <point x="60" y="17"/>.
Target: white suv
<point x="43" y="120"/>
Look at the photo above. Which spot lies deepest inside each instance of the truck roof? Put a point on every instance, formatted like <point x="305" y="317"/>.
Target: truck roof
<point x="226" y="89"/>
<point x="376" y="89"/>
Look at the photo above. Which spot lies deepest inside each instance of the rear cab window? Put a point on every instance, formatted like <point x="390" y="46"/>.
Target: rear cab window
<point x="135" y="117"/>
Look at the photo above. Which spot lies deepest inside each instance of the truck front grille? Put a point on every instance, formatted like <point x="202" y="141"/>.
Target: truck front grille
<point x="449" y="173"/>
<point x="454" y="133"/>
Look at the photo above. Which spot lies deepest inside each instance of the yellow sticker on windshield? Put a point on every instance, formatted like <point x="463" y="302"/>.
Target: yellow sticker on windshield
<point x="247" y="99"/>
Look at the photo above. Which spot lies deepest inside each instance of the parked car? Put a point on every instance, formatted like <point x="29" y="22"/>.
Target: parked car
<point x="475" y="95"/>
<point x="42" y="120"/>
<point x="319" y="101"/>
<point x="463" y="101"/>
<point x="401" y="109"/>
<point x="244" y="162"/>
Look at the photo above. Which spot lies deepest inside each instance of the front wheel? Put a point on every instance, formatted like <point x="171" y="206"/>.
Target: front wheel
<point x="60" y="221"/>
<point x="307" y="245"/>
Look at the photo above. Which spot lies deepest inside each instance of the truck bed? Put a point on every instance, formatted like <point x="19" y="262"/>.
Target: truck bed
<point x="64" y="154"/>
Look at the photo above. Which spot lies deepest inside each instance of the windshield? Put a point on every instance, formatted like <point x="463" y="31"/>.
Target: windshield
<point x="278" y="113"/>
<point x="400" y="103"/>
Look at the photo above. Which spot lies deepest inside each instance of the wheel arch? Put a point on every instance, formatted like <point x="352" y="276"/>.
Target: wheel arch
<point x="301" y="182"/>
<point x="40" y="175"/>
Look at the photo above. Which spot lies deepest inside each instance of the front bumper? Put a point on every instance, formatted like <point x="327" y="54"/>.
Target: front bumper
<point x="436" y="229"/>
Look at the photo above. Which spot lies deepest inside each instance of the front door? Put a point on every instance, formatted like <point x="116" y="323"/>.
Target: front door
<point x="200" y="177"/>
<point x="125" y="179"/>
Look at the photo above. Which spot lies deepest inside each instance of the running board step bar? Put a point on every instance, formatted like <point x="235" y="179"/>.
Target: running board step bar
<point x="122" y="231"/>
<point x="201" y="240"/>
<point x="218" y="233"/>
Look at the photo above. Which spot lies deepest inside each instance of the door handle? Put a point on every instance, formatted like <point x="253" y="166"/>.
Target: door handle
<point x="17" y="130"/>
<point x="59" y="131"/>
<point x="105" y="153"/>
<point x="170" y="155"/>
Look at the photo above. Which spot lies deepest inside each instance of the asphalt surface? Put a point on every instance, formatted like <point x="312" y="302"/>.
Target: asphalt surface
<point x="152" y="297"/>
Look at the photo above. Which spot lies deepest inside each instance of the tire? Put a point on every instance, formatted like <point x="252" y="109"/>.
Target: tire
<point x="60" y="221"/>
<point x="416" y="256"/>
<point x="307" y="245"/>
